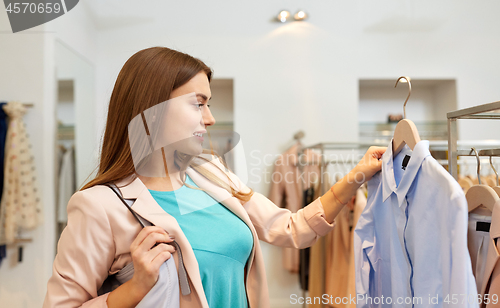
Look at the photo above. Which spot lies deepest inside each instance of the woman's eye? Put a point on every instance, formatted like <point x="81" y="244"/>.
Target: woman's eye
<point x="199" y="105"/>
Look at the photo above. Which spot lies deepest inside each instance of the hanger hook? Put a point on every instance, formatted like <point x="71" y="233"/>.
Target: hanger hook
<point x="478" y="164"/>
<point x="409" y="91"/>
<point x="494" y="170"/>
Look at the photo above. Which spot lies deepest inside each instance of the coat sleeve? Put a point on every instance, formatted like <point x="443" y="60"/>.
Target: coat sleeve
<point x="279" y="226"/>
<point x="277" y="191"/>
<point x="85" y="252"/>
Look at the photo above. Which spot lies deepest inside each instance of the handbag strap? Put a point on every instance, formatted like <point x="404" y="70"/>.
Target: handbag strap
<point x="183" y="279"/>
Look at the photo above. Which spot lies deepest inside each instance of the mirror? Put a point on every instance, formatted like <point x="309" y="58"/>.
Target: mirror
<point x="76" y="147"/>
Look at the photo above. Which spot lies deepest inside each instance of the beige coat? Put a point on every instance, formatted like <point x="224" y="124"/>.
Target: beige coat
<point x="96" y="241"/>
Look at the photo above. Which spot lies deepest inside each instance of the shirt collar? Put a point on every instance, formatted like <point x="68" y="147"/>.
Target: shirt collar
<point x="420" y="152"/>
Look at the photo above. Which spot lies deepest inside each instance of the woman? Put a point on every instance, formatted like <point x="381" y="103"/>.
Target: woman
<point x="213" y="216"/>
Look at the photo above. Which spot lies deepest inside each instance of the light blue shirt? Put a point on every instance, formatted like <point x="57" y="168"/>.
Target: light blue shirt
<point x="410" y="243"/>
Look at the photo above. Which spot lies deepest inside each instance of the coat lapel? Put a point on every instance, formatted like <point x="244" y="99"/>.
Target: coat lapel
<point x="147" y="207"/>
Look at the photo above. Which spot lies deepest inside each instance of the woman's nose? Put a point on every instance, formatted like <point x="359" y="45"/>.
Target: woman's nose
<point x="208" y="118"/>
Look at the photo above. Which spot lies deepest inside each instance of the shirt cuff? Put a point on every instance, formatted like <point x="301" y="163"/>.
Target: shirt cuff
<point x="314" y="214"/>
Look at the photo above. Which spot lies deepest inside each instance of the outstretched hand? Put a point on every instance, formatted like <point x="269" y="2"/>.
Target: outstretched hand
<point x="371" y="163"/>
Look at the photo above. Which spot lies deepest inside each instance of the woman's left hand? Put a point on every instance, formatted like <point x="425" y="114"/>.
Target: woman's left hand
<point x="370" y="164"/>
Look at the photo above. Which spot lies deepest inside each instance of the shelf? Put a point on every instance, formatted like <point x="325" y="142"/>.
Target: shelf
<point x="485" y="111"/>
<point x="487" y="152"/>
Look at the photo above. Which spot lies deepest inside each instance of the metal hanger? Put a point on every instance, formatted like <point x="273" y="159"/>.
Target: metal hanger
<point x="406" y="132"/>
<point x="464" y="181"/>
<point x="496" y="188"/>
<point x="480" y="194"/>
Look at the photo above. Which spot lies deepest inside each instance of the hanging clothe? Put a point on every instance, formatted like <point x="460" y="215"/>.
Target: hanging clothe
<point x="491" y="279"/>
<point x="288" y="183"/>
<point x="332" y="259"/>
<point x="3" y="135"/>
<point x="67" y="185"/>
<point x="317" y="254"/>
<point x="304" y="254"/>
<point x="20" y="207"/>
<point x="340" y="272"/>
<point x="478" y="238"/>
<point x="411" y="239"/>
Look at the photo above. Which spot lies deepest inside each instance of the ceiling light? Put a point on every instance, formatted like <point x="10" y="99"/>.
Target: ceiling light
<point x="300" y="15"/>
<point x="283" y="16"/>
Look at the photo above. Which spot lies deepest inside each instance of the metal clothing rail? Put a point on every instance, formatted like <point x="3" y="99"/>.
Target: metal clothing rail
<point x="323" y="146"/>
<point x="486" y="111"/>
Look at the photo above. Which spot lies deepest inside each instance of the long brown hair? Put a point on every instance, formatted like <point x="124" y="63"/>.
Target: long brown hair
<point x="146" y="79"/>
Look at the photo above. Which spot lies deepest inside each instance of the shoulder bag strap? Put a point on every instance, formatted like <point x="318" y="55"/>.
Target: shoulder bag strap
<point x="183" y="279"/>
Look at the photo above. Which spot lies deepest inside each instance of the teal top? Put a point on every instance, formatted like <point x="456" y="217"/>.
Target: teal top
<point x="221" y="242"/>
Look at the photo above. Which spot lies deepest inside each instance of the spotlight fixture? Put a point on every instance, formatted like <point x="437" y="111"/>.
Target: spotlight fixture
<point x="300" y="16"/>
<point x="283" y="16"/>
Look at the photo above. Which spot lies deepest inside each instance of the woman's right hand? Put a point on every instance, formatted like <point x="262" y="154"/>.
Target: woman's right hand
<point x="148" y="258"/>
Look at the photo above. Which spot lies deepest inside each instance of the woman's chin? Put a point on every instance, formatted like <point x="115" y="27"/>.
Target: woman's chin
<point x="192" y="149"/>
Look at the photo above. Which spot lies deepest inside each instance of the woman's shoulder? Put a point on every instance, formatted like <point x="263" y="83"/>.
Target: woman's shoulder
<point x="98" y="198"/>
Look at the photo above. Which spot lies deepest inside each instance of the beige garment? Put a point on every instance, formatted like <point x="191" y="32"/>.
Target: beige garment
<point x="477" y="244"/>
<point x="491" y="279"/>
<point x="96" y="241"/>
<point x="317" y="254"/>
<point x="316" y="283"/>
<point x="331" y="268"/>
<point x="288" y="182"/>
<point x="20" y="207"/>
<point x="67" y="185"/>
<point x="340" y="279"/>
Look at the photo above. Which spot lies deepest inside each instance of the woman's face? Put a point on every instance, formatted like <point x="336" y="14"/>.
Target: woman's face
<point x="188" y="115"/>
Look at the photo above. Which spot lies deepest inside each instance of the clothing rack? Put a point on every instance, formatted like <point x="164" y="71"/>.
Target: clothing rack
<point x="489" y="111"/>
<point x="324" y="146"/>
<point x="434" y="145"/>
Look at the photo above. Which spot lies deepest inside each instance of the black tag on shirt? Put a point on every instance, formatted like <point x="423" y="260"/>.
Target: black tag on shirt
<point x="483" y="226"/>
<point x="406" y="160"/>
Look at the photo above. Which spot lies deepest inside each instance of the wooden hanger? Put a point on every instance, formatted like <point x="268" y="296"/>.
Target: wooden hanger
<point x="465" y="183"/>
<point x="480" y="194"/>
<point x="406" y="132"/>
